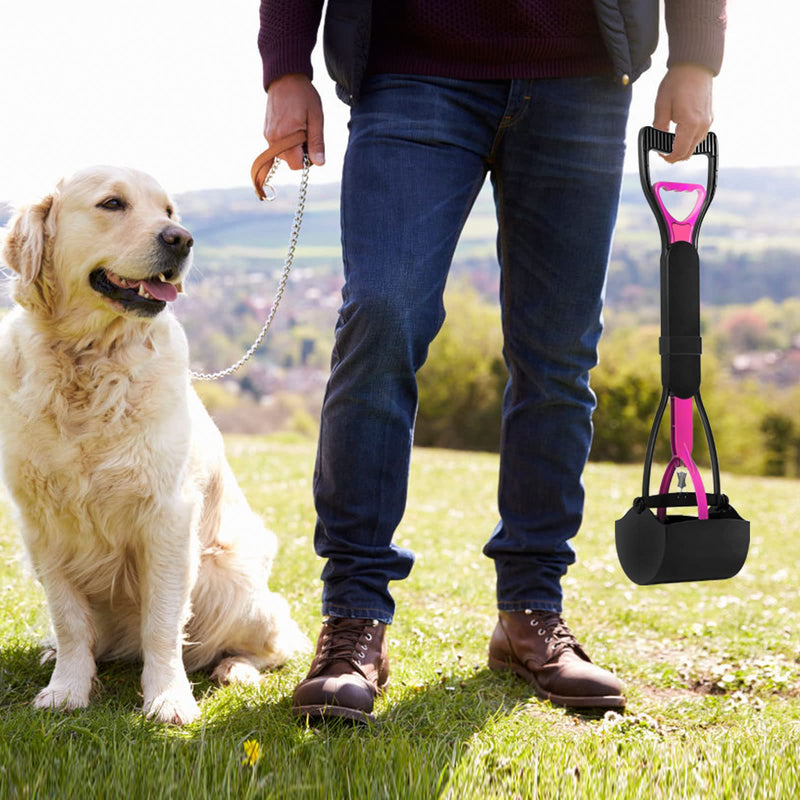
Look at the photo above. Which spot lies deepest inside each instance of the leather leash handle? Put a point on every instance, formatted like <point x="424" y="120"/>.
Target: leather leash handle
<point x="263" y="163"/>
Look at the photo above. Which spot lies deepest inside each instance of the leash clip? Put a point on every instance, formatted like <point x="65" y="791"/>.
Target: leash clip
<point x="269" y="192"/>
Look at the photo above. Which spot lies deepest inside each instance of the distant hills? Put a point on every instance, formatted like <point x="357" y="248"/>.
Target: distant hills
<point x="750" y="244"/>
<point x="750" y="241"/>
<point x="749" y="247"/>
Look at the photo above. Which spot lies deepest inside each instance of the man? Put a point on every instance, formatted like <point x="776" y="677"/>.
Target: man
<point x="535" y="93"/>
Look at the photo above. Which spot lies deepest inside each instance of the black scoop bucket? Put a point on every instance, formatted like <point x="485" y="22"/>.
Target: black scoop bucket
<point x="664" y="547"/>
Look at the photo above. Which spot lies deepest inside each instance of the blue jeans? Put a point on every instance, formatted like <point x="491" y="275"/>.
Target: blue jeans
<point x="418" y="154"/>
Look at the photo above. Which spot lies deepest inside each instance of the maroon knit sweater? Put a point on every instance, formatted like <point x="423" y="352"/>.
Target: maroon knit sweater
<point x="451" y="38"/>
<point x="486" y="39"/>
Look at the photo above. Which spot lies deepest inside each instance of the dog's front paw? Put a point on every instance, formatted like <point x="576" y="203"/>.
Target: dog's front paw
<point x="173" y="706"/>
<point x="61" y="698"/>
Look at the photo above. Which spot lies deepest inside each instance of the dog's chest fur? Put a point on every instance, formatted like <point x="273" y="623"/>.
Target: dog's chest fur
<point x="95" y="443"/>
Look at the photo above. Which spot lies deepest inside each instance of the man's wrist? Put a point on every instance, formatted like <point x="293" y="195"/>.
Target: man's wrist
<point x="289" y="77"/>
<point x="691" y="65"/>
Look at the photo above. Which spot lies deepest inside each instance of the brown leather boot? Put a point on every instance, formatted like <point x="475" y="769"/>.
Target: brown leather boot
<point x="349" y="669"/>
<point x="539" y="647"/>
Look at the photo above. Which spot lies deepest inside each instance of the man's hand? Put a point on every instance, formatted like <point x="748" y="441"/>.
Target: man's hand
<point x="294" y="105"/>
<point x="684" y="97"/>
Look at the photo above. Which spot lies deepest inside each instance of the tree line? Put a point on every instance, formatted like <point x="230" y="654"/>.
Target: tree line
<point x="756" y="425"/>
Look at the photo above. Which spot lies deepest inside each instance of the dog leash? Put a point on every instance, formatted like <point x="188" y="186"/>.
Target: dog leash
<point x="261" y="173"/>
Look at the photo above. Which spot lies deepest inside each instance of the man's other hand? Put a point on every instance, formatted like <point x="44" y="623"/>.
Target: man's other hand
<point x="684" y="97"/>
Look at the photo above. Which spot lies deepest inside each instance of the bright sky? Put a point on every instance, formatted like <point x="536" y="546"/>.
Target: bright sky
<point x="173" y="87"/>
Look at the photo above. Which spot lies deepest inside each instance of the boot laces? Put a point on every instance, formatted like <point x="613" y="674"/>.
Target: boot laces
<point x="343" y="641"/>
<point x="557" y="635"/>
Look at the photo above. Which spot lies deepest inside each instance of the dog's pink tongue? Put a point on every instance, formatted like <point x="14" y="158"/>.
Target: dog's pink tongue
<point x="161" y="291"/>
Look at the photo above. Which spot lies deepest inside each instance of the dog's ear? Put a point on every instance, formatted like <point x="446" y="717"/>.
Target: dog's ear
<point x="27" y="238"/>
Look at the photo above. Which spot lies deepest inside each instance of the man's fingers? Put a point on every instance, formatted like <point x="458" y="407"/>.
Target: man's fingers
<point x="682" y="145"/>
<point x="315" y="132"/>
<point x="293" y="157"/>
<point x="662" y="114"/>
<point x="687" y="137"/>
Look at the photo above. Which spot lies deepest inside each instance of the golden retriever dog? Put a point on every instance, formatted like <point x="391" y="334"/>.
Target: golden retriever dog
<point x="130" y="514"/>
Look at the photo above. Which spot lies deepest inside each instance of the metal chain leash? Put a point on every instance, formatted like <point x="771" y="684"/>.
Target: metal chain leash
<point x="287" y="265"/>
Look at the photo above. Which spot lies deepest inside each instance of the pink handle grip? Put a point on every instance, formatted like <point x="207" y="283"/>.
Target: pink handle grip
<point x="680" y="230"/>
<point x="681" y="437"/>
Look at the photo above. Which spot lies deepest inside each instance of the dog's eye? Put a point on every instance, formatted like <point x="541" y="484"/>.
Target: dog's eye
<point x="112" y="204"/>
<point x="170" y="211"/>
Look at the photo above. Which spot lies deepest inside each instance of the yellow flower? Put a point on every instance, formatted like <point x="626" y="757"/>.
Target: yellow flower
<point x="253" y="751"/>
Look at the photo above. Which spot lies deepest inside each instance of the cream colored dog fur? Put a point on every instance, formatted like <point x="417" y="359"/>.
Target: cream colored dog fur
<point x="133" y="521"/>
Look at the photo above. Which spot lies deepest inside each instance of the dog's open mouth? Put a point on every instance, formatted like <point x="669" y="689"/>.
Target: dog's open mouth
<point x="144" y="297"/>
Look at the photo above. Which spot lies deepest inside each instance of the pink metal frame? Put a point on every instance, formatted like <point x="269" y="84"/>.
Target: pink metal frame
<point x="681" y="410"/>
<point x="680" y="439"/>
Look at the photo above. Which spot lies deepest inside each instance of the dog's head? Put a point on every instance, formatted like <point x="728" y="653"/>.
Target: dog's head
<point x="107" y="241"/>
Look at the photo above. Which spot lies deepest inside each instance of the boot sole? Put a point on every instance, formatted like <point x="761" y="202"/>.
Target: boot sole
<point x="315" y="713"/>
<point x="597" y="701"/>
<point x="322" y="711"/>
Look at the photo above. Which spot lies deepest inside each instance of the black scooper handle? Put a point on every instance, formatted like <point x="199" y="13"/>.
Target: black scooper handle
<point x="653" y="139"/>
<point x="680" y="344"/>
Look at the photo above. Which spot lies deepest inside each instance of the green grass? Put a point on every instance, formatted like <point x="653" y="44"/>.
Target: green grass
<point x="711" y="670"/>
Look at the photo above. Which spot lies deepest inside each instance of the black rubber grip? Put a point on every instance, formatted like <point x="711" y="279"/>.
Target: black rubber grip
<point x="680" y="342"/>
<point x="680" y="345"/>
<point x="654" y="139"/>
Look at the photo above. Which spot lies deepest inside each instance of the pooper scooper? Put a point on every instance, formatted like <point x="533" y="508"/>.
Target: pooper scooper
<point x="656" y="544"/>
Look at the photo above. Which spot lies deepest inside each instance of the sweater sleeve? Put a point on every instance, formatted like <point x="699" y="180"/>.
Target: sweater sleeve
<point x="696" y="30"/>
<point x="287" y="36"/>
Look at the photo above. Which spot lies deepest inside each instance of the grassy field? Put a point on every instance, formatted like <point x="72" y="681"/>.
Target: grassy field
<point x="711" y="670"/>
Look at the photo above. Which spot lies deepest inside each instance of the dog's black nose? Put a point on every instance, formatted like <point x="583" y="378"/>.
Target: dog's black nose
<point x="177" y="240"/>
